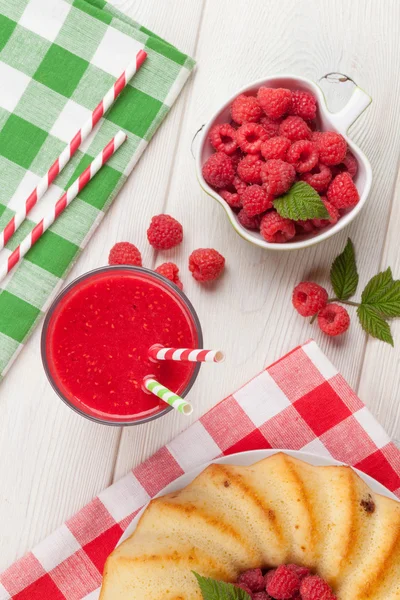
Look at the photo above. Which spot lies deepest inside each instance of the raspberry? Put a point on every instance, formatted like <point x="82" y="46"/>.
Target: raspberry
<point x="319" y="177"/>
<point x="274" y="102"/>
<point x="236" y="157"/>
<point x="164" y="232"/>
<point x="332" y="148"/>
<point x="301" y="572"/>
<point x="244" y="587"/>
<point x="261" y="596"/>
<point x="342" y="192"/>
<point x="333" y="215"/>
<point x="218" y="170"/>
<point x="223" y="138"/>
<point x="124" y="253"/>
<point x="170" y="271"/>
<point x="250" y="137"/>
<point x="333" y="319"/>
<point x="305" y="226"/>
<point x="249" y="169"/>
<point x="233" y="192"/>
<point x="246" y="109"/>
<point x="275" y="147"/>
<point x="249" y="222"/>
<point x="304" y="105"/>
<point x="277" y="176"/>
<point x="309" y="298"/>
<point x="206" y="264"/>
<point x="283" y="584"/>
<point x="303" y="155"/>
<point x="256" y="200"/>
<point x="316" y="135"/>
<point x="295" y="128"/>
<point x="276" y="229"/>
<point x="315" y="588"/>
<point x="349" y="164"/>
<point x="254" y="579"/>
<point x="271" y="126"/>
<point x="268" y="576"/>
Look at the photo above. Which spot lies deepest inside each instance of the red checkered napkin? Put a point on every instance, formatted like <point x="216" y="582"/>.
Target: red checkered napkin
<point x="300" y="402"/>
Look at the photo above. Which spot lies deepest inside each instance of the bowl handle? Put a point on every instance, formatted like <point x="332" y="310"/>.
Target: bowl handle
<point x="356" y="105"/>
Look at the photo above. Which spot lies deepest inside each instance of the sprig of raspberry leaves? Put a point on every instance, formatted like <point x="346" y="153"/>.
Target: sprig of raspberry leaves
<point x="212" y="589"/>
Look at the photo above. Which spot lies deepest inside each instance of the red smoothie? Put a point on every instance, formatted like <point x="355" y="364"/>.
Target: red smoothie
<point x="98" y="338"/>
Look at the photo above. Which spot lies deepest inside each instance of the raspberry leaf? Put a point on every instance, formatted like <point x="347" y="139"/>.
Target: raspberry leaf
<point x="344" y="276"/>
<point x="377" y="286"/>
<point x="374" y="324"/>
<point x="300" y="203"/>
<point x="383" y="294"/>
<point x="212" y="589"/>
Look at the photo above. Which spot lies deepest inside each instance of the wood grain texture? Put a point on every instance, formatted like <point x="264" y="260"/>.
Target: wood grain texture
<point x="51" y="460"/>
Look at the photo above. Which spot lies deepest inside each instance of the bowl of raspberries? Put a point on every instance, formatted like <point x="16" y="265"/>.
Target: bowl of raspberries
<point x="281" y="164"/>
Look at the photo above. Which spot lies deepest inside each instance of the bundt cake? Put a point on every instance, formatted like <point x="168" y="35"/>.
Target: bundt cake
<point x="279" y="510"/>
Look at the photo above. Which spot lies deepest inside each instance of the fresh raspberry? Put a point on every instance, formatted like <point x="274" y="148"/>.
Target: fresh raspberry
<point x="276" y="147"/>
<point x="304" y="105"/>
<point x="249" y="222"/>
<point x="223" y="138"/>
<point x="244" y="587"/>
<point x="254" y="579"/>
<point x="309" y="298"/>
<point x="305" y="226"/>
<point x="164" y="232"/>
<point x="246" y="109"/>
<point x="301" y="572"/>
<point x="218" y="170"/>
<point x="277" y="176"/>
<point x="315" y="136"/>
<point x="283" y="584"/>
<point x="333" y="215"/>
<point x="342" y="192"/>
<point x="315" y="588"/>
<point x="319" y="178"/>
<point x="268" y="576"/>
<point x="295" y="128"/>
<point x="274" y="102"/>
<point x="303" y="155"/>
<point x="125" y="253"/>
<point x="250" y="136"/>
<point x="249" y="169"/>
<point x="170" y="271"/>
<point x="206" y="264"/>
<point x="261" y="596"/>
<point x="233" y="192"/>
<point x="349" y="164"/>
<point x="332" y="148"/>
<point x="276" y="229"/>
<point x="271" y="126"/>
<point x="256" y="200"/>
<point x="333" y="319"/>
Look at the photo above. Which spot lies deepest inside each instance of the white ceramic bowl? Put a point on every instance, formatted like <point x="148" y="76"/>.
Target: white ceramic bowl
<point x="339" y="121"/>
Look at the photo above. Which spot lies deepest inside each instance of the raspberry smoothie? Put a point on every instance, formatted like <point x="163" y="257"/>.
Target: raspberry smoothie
<point x="96" y="340"/>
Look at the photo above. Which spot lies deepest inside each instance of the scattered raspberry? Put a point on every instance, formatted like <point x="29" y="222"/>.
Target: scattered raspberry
<point x="250" y="137"/>
<point x="309" y="298"/>
<point x="333" y="215"/>
<point x="244" y="587"/>
<point x="301" y="572"/>
<point x="218" y="170"/>
<point x="125" y="253"/>
<point x="249" y="222"/>
<point x="332" y="148"/>
<point x="223" y="138"/>
<point x="315" y="588"/>
<point x="256" y="200"/>
<point x="249" y="169"/>
<point x="303" y="155"/>
<point x="246" y="109"/>
<point x="277" y="176"/>
<point x="295" y="128"/>
<point x="305" y="226"/>
<point x="304" y="105"/>
<point x="206" y="264"/>
<point x="170" y="271"/>
<point x="276" y="229"/>
<point x="254" y="579"/>
<point x="333" y="319"/>
<point x="283" y="584"/>
<point x="164" y="232"/>
<point x="319" y="178"/>
<point x="276" y="147"/>
<point x="271" y="126"/>
<point x="342" y="192"/>
<point x="233" y="192"/>
<point x="274" y="102"/>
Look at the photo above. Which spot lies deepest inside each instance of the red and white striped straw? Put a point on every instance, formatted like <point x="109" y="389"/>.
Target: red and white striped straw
<point x="62" y="203"/>
<point x="72" y="147"/>
<point x="158" y="352"/>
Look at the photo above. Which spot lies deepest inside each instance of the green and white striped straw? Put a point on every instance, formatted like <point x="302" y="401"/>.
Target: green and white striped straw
<point x="167" y="396"/>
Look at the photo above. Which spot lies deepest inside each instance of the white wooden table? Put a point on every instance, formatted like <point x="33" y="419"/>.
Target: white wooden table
<point x="53" y="461"/>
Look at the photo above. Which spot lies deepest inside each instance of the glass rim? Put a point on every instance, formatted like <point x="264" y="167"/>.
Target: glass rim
<point x="166" y="282"/>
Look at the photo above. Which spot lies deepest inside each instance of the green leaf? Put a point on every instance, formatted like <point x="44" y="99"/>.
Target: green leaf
<point x="300" y="203"/>
<point x="383" y="294"/>
<point x="377" y="286"/>
<point x="374" y="324"/>
<point x="344" y="276"/>
<point x="212" y="589"/>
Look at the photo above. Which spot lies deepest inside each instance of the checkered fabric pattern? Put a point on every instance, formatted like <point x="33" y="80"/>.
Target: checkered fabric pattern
<point x="57" y="60"/>
<point x="300" y="402"/>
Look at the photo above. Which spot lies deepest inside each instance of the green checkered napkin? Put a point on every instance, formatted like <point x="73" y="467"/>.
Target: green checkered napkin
<point x="57" y="60"/>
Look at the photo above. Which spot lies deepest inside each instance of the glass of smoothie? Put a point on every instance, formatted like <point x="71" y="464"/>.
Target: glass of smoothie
<point x="96" y="337"/>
